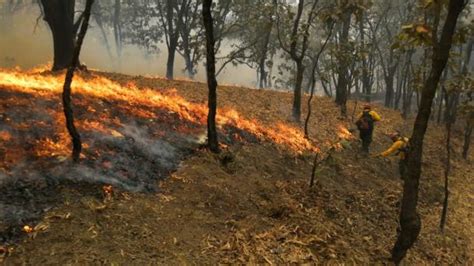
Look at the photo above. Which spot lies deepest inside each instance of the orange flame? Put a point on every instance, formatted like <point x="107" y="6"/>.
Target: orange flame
<point x="107" y="189"/>
<point x="344" y="133"/>
<point x="5" y="135"/>
<point x="28" y="229"/>
<point x="103" y="88"/>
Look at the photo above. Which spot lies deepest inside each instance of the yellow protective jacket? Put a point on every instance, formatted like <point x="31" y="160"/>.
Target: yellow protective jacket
<point x="397" y="146"/>
<point x="375" y="116"/>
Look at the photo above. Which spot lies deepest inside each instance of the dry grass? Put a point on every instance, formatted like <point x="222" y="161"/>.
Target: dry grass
<point x="252" y="203"/>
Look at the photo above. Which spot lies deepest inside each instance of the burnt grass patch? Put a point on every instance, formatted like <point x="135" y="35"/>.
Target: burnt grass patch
<point x="129" y="147"/>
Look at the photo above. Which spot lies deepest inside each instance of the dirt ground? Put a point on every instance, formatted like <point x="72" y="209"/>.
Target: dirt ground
<point x="252" y="204"/>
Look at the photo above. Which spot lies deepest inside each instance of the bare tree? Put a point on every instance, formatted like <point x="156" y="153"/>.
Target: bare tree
<point x="211" y="76"/>
<point x="313" y="80"/>
<point x="410" y="222"/>
<point x="299" y="34"/>
<point x="447" y="169"/>
<point x="76" y="138"/>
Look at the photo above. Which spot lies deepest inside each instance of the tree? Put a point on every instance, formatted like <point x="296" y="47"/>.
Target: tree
<point x="108" y="14"/>
<point x="297" y="48"/>
<point x="211" y="76"/>
<point x="366" y="60"/>
<point x="252" y="37"/>
<point x="410" y="223"/>
<point x="383" y="38"/>
<point x="170" y="12"/>
<point x="313" y="80"/>
<point x="467" y="107"/>
<point x="141" y="24"/>
<point x="190" y="31"/>
<point x="76" y="138"/>
<point x="117" y="27"/>
<point x="449" y="124"/>
<point x="59" y="14"/>
<point x="343" y="81"/>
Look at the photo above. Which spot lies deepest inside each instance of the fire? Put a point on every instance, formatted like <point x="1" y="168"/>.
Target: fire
<point x="107" y="189"/>
<point x="5" y="135"/>
<point x="41" y="68"/>
<point x="27" y="229"/>
<point x="344" y="133"/>
<point x="106" y="89"/>
<point x="108" y="192"/>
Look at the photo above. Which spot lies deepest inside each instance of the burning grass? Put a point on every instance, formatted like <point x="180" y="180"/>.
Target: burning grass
<point x="132" y="137"/>
<point x="138" y="100"/>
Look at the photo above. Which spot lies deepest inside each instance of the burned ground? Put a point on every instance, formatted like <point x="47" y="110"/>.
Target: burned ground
<point x="250" y="204"/>
<point x="123" y="148"/>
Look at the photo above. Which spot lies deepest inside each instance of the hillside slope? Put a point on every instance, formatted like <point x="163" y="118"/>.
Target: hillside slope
<point x="175" y="203"/>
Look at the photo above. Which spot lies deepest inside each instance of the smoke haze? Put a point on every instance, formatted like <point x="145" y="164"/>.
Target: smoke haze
<point x="25" y="41"/>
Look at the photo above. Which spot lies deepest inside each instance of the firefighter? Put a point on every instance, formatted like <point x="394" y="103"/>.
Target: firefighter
<point x="365" y="125"/>
<point x="399" y="147"/>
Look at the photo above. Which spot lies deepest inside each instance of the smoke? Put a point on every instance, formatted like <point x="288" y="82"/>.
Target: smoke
<point x="130" y="159"/>
<point x="27" y="42"/>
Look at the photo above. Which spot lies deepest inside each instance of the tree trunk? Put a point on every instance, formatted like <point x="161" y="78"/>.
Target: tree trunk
<point x="68" y="112"/>
<point x="410" y="222"/>
<point x="398" y="92"/>
<point x="211" y="76"/>
<point x="366" y="86"/>
<point x="189" y="64"/>
<point x="447" y="169"/>
<point x="187" y="57"/>
<point x="440" y="104"/>
<point x="118" y="29"/>
<point x="296" y="110"/>
<point x="187" y="54"/>
<point x="389" y="89"/>
<point x="470" y="115"/>
<point x="450" y="121"/>
<point x="342" y="82"/>
<point x="441" y="95"/>
<point x="405" y="73"/>
<point x="407" y="95"/>
<point x="172" y="39"/>
<point x="297" y="91"/>
<point x="313" y="83"/>
<point x="263" y="74"/>
<point x="170" y="61"/>
<point x="467" y="138"/>
<point x="98" y="18"/>
<point x="389" y="80"/>
<point x="59" y="14"/>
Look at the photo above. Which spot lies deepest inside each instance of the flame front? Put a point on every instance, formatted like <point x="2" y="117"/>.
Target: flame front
<point x="100" y="87"/>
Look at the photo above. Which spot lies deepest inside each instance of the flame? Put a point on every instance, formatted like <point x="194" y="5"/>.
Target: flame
<point x="344" y="133"/>
<point x="41" y="68"/>
<point x="108" y="192"/>
<point x="102" y="88"/>
<point x="27" y="229"/>
<point x="5" y="135"/>
<point x="107" y="189"/>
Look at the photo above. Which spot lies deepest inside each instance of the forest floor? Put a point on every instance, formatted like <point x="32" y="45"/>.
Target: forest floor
<point x="174" y="202"/>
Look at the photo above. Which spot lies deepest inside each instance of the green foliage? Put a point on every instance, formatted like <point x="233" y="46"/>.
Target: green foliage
<point x="412" y="36"/>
